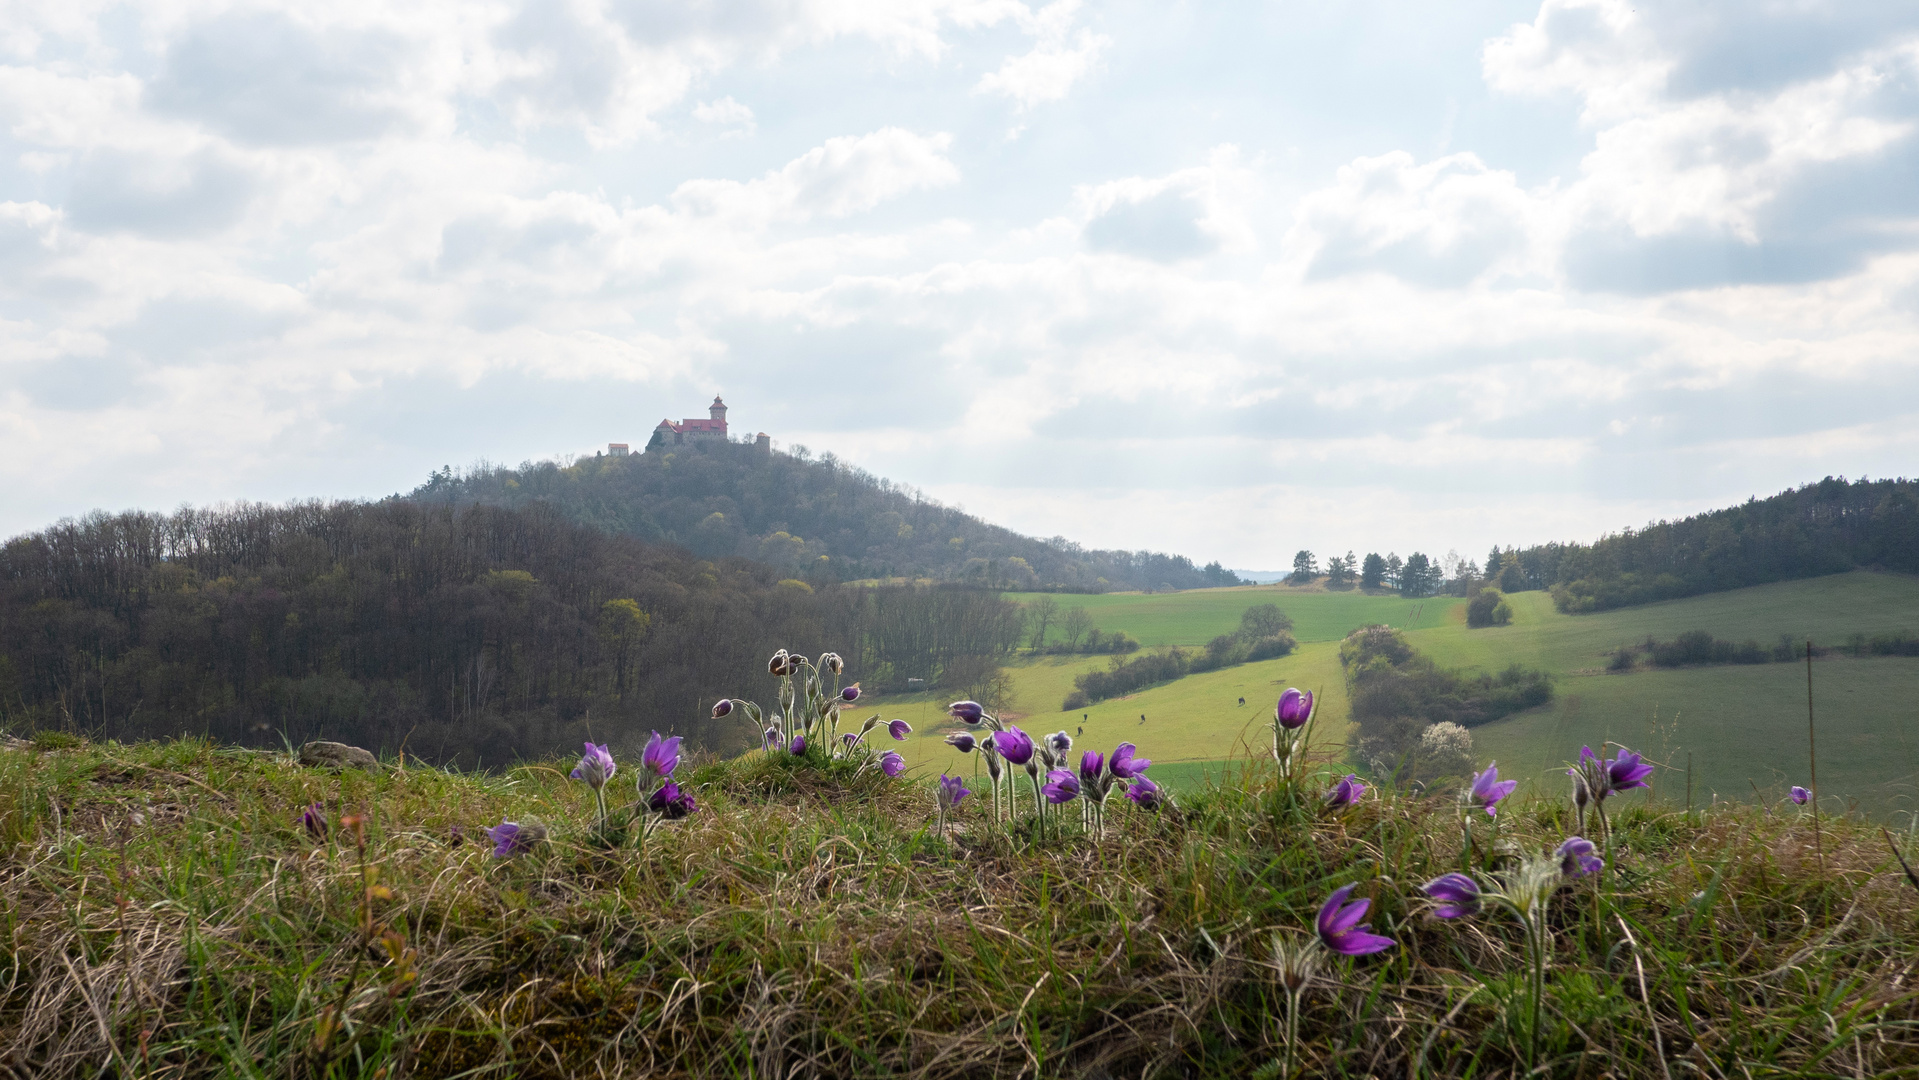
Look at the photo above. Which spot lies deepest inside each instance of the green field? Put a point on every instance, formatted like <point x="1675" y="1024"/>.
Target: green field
<point x="1198" y="616"/>
<point x="1744" y="727"/>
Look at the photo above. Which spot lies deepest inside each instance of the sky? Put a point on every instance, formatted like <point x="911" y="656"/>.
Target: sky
<point x="1228" y="279"/>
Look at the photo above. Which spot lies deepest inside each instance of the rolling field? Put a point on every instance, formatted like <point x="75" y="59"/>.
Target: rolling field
<point x="1196" y="617"/>
<point x="1743" y="725"/>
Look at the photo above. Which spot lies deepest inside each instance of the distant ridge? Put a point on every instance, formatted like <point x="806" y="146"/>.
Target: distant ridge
<point x="815" y="518"/>
<point x="1827" y="527"/>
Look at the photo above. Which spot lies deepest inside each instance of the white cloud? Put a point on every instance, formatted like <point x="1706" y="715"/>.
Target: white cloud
<point x="724" y="111"/>
<point x="1061" y="56"/>
<point x="846" y="175"/>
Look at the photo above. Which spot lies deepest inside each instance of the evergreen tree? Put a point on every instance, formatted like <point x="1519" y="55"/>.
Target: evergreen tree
<point x="1372" y="572"/>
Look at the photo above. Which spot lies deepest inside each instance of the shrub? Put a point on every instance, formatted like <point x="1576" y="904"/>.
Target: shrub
<point x="1489" y="608"/>
<point x="1623" y="659"/>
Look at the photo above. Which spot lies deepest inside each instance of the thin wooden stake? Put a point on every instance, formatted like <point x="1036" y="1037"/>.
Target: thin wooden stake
<point x="1812" y="752"/>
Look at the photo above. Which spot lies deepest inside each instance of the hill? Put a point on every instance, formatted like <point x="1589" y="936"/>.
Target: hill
<point x="472" y="633"/>
<point x="170" y="914"/>
<point x="1743" y="725"/>
<point x="817" y="519"/>
<point x="1815" y="529"/>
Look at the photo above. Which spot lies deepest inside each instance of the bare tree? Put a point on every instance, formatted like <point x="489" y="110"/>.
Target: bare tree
<point x="1040" y="615"/>
<point x="1074" y="625"/>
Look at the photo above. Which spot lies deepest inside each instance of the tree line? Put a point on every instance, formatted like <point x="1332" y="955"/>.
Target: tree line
<point x="1263" y="634"/>
<point x="1413" y="715"/>
<point x="816" y="519"/>
<point x="463" y="633"/>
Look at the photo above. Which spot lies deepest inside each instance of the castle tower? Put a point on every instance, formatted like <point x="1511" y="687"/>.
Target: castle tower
<point x="718" y="410"/>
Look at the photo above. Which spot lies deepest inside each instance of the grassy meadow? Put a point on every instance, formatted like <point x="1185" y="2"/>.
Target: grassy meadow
<point x="1744" y="726"/>
<point x="167" y="916"/>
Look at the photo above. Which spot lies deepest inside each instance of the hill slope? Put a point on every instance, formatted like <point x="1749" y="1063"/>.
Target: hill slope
<point x="813" y="518"/>
<point x="1742" y="724"/>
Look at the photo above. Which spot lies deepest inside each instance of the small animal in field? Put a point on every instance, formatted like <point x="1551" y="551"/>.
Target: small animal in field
<point x="1242" y="702"/>
<point x="1142" y="718"/>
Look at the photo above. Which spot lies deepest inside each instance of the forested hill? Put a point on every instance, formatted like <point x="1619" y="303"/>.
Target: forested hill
<point x="1824" y="528"/>
<point x="469" y="634"/>
<point x="817" y="519"/>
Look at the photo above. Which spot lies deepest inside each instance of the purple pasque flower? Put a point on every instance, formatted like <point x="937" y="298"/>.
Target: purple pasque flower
<point x="967" y="712"/>
<point x="772" y="737"/>
<point x="850" y="694"/>
<point x="899" y="729"/>
<point x="892" y="764"/>
<point x="962" y="741"/>
<point x="596" y="767"/>
<point x="1144" y="793"/>
<point x="510" y="839"/>
<point x="1625" y="771"/>
<point x="1345" y="793"/>
<point x="781" y="664"/>
<point x="952" y="790"/>
<point x="1488" y="789"/>
<point x="1014" y="745"/>
<point x="1060" y="742"/>
<point x="661" y="756"/>
<point x="1124" y="765"/>
<point x="1800" y="795"/>
<point x="1061" y="787"/>
<point x="1577" y="856"/>
<point x="1091" y="764"/>
<point x="797" y="746"/>
<point x="849" y="738"/>
<point x="1458" y="895"/>
<point x="1294" y="709"/>
<point x="722" y="708"/>
<point x="672" y="802"/>
<point x="831" y="662"/>
<point x="1340" y="929"/>
<point x="313" y="820"/>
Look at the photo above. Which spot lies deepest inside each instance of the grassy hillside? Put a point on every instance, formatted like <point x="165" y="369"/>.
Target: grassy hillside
<point x="167" y="917"/>
<point x="1743" y="725"/>
<point x="1196" y="617"/>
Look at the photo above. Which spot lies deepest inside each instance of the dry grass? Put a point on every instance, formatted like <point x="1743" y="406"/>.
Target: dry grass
<point x="164" y="916"/>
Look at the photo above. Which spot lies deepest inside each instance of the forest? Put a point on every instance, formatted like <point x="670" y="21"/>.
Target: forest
<point x="461" y="633"/>
<point x="1824" y="528"/>
<point x="815" y="519"/>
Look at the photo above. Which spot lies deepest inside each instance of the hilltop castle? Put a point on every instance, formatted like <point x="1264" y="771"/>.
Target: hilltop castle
<point x="713" y="428"/>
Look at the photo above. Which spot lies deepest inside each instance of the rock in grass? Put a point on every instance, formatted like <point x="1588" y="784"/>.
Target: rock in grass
<point x="333" y="755"/>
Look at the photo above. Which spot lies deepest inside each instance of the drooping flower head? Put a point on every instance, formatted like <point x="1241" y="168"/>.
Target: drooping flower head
<point x="1124" y="765"/>
<point x="1294" y="709"/>
<point x="967" y="712"/>
<point x="1488" y="789"/>
<point x="1578" y="856"/>
<point x="1014" y="745"/>
<point x="772" y="737"/>
<point x="1061" y="787"/>
<point x="672" y="802"/>
<point x="313" y="820"/>
<point x="1091" y="764"/>
<point x="1458" y="895"/>
<point x="794" y="663"/>
<point x="1340" y="929"/>
<point x="1625" y="771"/>
<point x="797" y="746"/>
<point x="1144" y="793"/>
<point x="849" y="738"/>
<point x="596" y="767"/>
<point x="962" y="741"/>
<point x="722" y="708"/>
<point x="1345" y="793"/>
<point x="892" y="764"/>
<point x="850" y="694"/>
<point x="1059" y="742"/>
<point x="831" y="661"/>
<point x="1800" y="795"/>
<point x="781" y="664"/>
<point x="899" y="729"/>
<point x="510" y="839"/>
<point x="661" y="756"/>
<point x="951" y="791"/>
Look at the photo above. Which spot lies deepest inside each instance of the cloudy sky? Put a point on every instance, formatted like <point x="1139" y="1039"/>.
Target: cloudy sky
<point x="1230" y="278"/>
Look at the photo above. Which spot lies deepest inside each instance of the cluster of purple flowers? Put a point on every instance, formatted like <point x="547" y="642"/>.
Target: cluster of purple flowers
<point x="1005" y="747"/>
<point x="809" y="713"/>
<point x="1595" y="779"/>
